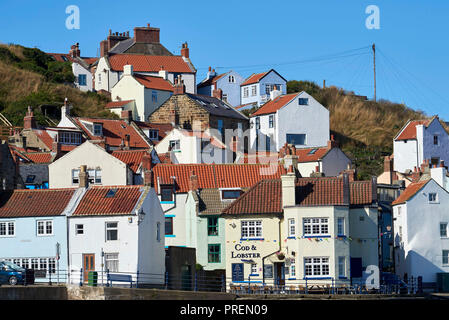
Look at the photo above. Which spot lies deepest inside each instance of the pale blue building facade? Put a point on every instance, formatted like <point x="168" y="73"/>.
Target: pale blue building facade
<point x="255" y="90"/>
<point x="228" y="82"/>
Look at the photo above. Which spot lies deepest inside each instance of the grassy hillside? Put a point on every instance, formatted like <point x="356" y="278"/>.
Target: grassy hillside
<point x="29" y="77"/>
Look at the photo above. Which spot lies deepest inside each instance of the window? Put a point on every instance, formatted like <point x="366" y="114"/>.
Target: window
<point x="168" y="225"/>
<point x="7" y="229"/>
<point x="231" y="79"/>
<point x="154" y="96"/>
<point x="230" y="194"/>
<point x="445" y="257"/>
<point x="111" y="231"/>
<point x="30" y="178"/>
<point x="257" y="123"/>
<point x="271" y="121"/>
<point x="291" y="227"/>
<point x="213" y="255"/>
<point x="225" y="97"/>
<point x="158" y="232"/>
<point x="251" y="229"/>
<point x="69" y="138"/>
<point x="79" y="229"/>
<point x="341" y="267"/>
<point x="443" y="230"/>
<point x="253" y="90"/>
<point x="399" y="211"/>
<point x="435" y="140"/>
<point x="270" y="87"/>
<point x="167" y="193"/>
<point x="212" y="226"/>
<point x="292" y="268"/>
<point x="75" y="176"/>
<point x="82" y="79"/>
<point x="99" y="78"/>
<point x="111" y="262"/>
<point x="94" y="176"/>
<point x="433" y="197"/>
<point x="44" y="227"/>
<point x="153" y="134"/>
<point x="98" y="129"/>
<point x="245" y="92"/>
<point x="296" y="139"/>
<point x="340" y="226"/>
<point x="315" y="226"/>
<point x="111" y="193"/>
<point x="174" y="145"/>
<point x="267" y="143"/>
<point x="43" y="264"/>
<point x="303" y="101"/>
<point x="253" y="268"/>
<point x="316" y="266"/>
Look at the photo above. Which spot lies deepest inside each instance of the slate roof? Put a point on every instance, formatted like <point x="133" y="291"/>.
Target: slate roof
<point x="210" y="202"/>
<point x="211" y="81"/>
<point x="130" y="46"/>
<point x="34" y="203"/>
<point x="96" y="201"/>
<point x="216" y="106"/>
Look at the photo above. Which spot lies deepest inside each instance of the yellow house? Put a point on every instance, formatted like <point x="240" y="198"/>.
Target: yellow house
<point x="302" y="232"/>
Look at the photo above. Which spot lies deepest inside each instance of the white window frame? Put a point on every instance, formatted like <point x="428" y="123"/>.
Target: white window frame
<point x="45" y="232"/>
<point x="174" y="145"/>
<point x="271" y="121"/>
<point x="245" y="92"/>
<point x="77" y="229"/>
<point x="433" y="197"/>
<point x="316" y="267"/>
<point x="445" y="229"/>
<point x="251" y="229"/>
<point x="253" y="90"/>
<point x="96" y="176"/>
<point x="292" y="268"/>
<point x="342" y="267"/>
<point x="111" y="257"/>
<point x="340" y="225"/>
<point x="312" y="224"/>
<point x="445" y="256"/>
<point x="253" y="268"/>
<point x="291" y="227"/>
<point x="75" y="176"/>
<point x="7" y="228"/>
<point x="108" y="228"/>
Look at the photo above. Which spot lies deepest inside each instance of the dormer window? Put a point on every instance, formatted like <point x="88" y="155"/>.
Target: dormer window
<point x="98" y="129"/>
<point x="303" y="101"/>
<point x="153" y="134"/>
<point x="230" y="194"/>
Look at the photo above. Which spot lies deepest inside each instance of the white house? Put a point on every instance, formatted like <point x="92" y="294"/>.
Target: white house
<point x="191" y="146"/>
<point x="111" y="68"/>
<point x="417" y="141"/>
<point x="117" y="229"/>
<point x="256" y="89"/>
<point x="147" y="92"/>
<point x="295" y="118"/>
<point x="421" y="219"/>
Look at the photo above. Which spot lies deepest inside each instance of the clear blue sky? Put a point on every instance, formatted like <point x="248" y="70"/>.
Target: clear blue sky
<point x="302" y="40"/>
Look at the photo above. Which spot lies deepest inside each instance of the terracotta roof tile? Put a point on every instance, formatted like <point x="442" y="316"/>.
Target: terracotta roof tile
<point x="274" y="105"/>
<point x="409" y="132"/>
<point x="34" y="203"/>
<point x="133" y="158"/>
<point x="117" y="104"/>
<point x="410" y="191"/>
<point x="39" y="157"/>
<point x="361" y="192"/>
<point x="320" y="191"/>
<point x="154" y="82"/>
<point x="96" y="202"/>
<point x="147" y="63"/>
<point x="254" y="78"/>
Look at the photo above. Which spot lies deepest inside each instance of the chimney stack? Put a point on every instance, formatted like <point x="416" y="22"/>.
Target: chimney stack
<point x="128" y="70"/>
<point x="147" y="165"/>
<point x="29" y="122"/>
<point x="146" y="34"/>
<point x="274" y="93"/>
<point x="75" y="51"/>
<point x="127" y="115"/>
<point x="127" y="139"/>
<point x="83" y="177"/>
<point x="217" y="93"/>
<point x="179" y="87"/>
<point x="193" y="181"/>
<point x="332" y="143"/>
<point x="185" y="50"/>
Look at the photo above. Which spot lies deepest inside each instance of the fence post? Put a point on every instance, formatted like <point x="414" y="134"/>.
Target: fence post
<point x="307" y="288"/>
<point x="81" y="277"/>
<point x="420" y="291"/>
<point x="137" y="279"/>
<point x="196" y="282"/>
<point x="107" y="278"/>
<point x="49" y="275"/>
<point x="223" y="284"/>
<point x="333" y="290"/>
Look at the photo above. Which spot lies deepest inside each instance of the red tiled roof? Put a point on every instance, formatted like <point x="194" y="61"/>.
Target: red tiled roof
<point x="146" y="63"/>
<point x="258" y="157"/>
<point x="95" y="202"/>
<point x="117" y="104"/>
<point x="154" y="82"/>
<point x="39" y="157"/>
<point x="34" y="203"/>
<point x="44" y="137"/>
<point x="410" y="191"/>
<point x="215" y="175"/>
<point x="114" y="132"/>
<point x="164" y="157"/>
<point x="361" y="192"/>
<point x="305" y="155"/>
<point x="409" y="132"/>
<point x="133" y="158"/>
<point x="320" y="191"/>
<point x="265" y="197"/>
<point x="274" y="105"/>
<point x="254" y="78"/>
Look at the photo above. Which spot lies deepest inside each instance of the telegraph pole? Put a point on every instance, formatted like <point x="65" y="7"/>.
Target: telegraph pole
<point x="374" y="65"/>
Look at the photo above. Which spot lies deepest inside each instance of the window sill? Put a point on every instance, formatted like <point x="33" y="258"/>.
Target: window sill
<point x="170" y="236"/>
<point x="291" y="237"/>
<point x="318" y="278"/>
<point x="323" y="236"/>
<point x="251" y="239"/>
<point x="167" y="202"/>
<point x="254" y="275"/>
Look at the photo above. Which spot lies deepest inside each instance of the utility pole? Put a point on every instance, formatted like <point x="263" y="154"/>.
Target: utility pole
<point x="374" y="56"/>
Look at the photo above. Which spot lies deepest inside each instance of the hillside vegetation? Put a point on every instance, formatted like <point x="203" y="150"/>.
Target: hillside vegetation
<point x="29" y="77"/>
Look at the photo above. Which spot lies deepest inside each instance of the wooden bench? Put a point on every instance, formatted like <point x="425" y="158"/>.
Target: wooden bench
<point x="119" y="278"/>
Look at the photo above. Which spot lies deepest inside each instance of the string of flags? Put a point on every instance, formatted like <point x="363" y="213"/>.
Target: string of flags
<point x="316" y="239"/>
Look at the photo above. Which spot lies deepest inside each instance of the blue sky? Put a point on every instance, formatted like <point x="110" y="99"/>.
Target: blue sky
<point x="302" y="40"/>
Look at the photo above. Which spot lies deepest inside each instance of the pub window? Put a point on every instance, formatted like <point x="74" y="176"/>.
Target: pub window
<point x="213" y="253"/>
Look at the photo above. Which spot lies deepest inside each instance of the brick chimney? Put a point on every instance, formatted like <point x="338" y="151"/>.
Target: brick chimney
<point x="332" y="143"/>
<point x="75" y="50"/>
<point x="127" y="139"/>
<point x="127" y="115"/>
<point x="193" y="181"/>
<point x="146" y="34"/>
<point x="29" y="122"/>
<point x="147" y="166"/>
<point x="111" y="41"/>
<point x="179" y="87"/>
<point x="185" y="50"/>
<point x="56" y="148"/>
<point x="217" y="93"/>
<point x="83" y="177"/>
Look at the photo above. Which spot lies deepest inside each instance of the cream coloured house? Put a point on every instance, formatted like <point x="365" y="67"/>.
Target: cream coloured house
<point x="141" y="94"/>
